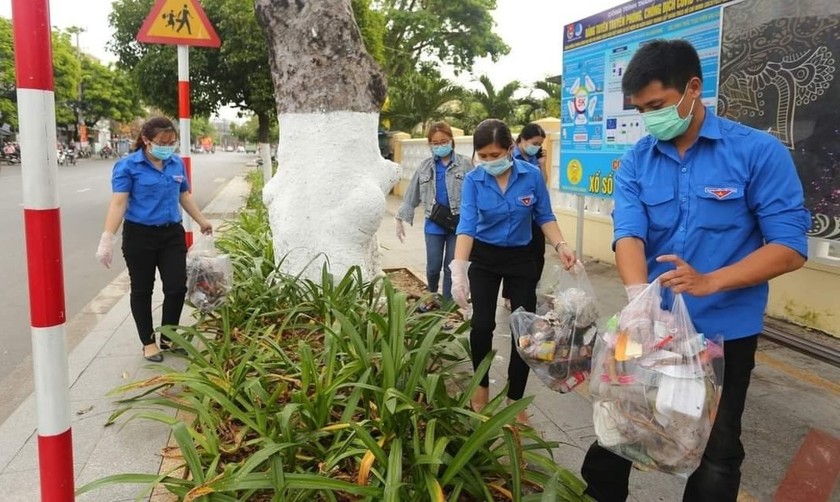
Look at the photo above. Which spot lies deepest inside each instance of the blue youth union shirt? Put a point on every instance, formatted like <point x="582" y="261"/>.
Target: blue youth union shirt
<point x="735" y="189"/>
<point x="153" y="196"/>
<point x="441" y="195"/>
<point x="504" y="219"/>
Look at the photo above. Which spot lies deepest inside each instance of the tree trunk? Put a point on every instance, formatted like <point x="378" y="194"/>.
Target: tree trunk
<point x="327" y="199"/>
<point x="264" y="148"/>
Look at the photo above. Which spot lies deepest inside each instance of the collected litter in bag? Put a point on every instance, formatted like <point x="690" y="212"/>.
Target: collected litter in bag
<point x="558" y="344"/>
<point x="209" y="275"/>
<point x="655" y="385"/>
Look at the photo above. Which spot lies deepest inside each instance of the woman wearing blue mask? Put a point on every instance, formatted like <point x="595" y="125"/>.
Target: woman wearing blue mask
<point x="149" y="185"/>
<point x="528" y="149"/>
<point x="437" y="185"/>
<point x="499" y="203"/>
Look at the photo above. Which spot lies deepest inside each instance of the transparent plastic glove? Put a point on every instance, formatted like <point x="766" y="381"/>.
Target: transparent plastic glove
<point x="460" y="282"/>
<point x="105" y="251"/>
<point x="634" y="290"/>
<point x="400" y="229"/>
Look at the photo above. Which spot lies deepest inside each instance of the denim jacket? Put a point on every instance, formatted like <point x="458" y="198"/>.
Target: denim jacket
<point x="421" y="188"/>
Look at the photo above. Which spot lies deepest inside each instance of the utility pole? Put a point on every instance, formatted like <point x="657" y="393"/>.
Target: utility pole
<point x="77" y="30"/>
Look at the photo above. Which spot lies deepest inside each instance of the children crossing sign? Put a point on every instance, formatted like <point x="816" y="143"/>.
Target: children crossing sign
<point x="178" y="22"/>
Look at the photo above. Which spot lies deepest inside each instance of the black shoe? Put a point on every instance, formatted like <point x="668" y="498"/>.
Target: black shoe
<point x="155" y="358"/>
<point x="168" y="347"/>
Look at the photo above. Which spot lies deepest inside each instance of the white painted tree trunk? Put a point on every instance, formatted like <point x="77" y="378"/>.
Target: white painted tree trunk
<point x="327" y="199"/>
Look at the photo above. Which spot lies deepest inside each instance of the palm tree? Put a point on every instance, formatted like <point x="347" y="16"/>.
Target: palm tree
<point x="497" y="104"/>
<point x="418" y="99"/>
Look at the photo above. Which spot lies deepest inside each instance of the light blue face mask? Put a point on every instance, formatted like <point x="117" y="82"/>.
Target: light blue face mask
<point x="531" y="150"/>
<point x="162" y="152"/>
<point x="666" y="124"/>
<point x="497" y="167"/>
<point x="442" y="150"/>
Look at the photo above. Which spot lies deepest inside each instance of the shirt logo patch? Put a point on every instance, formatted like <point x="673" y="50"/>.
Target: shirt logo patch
<point x="178" y="178"/>
<point x="526" y="200"/>
<point x="721" y="193"/>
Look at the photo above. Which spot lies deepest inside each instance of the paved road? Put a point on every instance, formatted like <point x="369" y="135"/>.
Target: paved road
<point x="84" y="191"/>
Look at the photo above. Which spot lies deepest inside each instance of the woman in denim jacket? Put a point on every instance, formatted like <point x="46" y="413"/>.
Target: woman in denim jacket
<point x="437" y="181"/>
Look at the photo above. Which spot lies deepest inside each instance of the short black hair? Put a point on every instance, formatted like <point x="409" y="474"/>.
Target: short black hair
<point x="492" y="131"/>
<point x="672" y="62"/>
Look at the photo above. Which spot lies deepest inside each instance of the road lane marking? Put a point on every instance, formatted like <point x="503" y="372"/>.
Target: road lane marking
<point x="83" y="190"/>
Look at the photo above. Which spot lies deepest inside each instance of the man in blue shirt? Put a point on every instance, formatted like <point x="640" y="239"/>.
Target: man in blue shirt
<point x="714" y="209"/>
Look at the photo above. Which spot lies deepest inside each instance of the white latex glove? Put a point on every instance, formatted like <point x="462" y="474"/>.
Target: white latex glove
<point x="400" y="228"/>
<point x="105" y="251"/>
<point x="460" y="282"/>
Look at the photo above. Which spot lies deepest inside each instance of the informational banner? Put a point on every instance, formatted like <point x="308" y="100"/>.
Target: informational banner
<point x="769" y="64"/>
<point x="598" y="123"/>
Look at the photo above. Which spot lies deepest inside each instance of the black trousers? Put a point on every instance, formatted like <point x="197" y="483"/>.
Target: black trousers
<point x="490" y="265"/>
<point x="537" y="246"/>
<point x="146" y="249"/>
<point x="719" y="476"/>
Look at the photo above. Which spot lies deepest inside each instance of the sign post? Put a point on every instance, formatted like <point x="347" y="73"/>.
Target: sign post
<point x="42" y="222"/>
<point x="182" y="23"/>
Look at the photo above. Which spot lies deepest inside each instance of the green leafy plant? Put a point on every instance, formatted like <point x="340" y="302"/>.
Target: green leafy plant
<point x="337" y="390"/>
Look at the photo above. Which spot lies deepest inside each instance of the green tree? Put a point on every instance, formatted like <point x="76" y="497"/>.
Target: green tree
<point x="67" y="72"/>
<point x="200" y="127"/>
<point x="8" y="97"/>
<point x="417" y="99"/>
<point x="455" y="32"/>
<point x="107" y="93"/>
<point x="498" y="104"/>
<point x="372" y="25"/>
<point x="236" y="74"/>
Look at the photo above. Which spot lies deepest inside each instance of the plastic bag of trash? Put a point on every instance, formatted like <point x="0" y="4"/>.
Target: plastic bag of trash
<point x="655" y="384"/>
<point x="558" y="344"/>
<point x="209" y="275"/>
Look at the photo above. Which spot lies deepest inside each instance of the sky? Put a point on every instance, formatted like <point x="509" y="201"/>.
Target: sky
<point x="532" y="28"/>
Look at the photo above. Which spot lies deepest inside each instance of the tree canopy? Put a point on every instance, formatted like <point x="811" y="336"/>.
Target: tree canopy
<point x="106" y="92"/>
<point x="455" y="32"/>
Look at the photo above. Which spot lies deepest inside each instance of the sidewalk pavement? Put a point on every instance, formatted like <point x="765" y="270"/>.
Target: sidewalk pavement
<point x="791" y="394"/>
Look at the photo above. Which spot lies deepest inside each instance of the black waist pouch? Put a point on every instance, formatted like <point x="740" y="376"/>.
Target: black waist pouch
<point x="443" y="216"/>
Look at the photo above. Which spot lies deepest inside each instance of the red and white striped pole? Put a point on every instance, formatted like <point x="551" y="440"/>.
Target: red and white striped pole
<point x="184" y="121"/>
<point x="42" y="221"/>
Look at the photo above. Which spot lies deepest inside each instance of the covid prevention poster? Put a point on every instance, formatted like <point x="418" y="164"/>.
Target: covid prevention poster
<point x="769" y="64"/>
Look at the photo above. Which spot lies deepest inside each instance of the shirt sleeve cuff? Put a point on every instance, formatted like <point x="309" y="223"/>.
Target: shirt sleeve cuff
<point x="618" y="235"/>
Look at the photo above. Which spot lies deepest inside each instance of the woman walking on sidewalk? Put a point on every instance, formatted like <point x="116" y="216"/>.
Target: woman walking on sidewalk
<point x="499" y="203"/>
<point x="437" y="185"/>
<point x="148" y="186"/>
<point x="528" y="149"/>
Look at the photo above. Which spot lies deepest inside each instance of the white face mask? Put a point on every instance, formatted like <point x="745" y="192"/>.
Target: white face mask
<point x="497" y="167"/>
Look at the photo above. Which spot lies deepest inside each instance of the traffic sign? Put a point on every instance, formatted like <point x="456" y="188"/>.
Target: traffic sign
<point x="178" y="22"/>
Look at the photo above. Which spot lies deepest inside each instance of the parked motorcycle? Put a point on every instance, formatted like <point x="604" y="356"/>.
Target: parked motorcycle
<point x="71" y="155"/>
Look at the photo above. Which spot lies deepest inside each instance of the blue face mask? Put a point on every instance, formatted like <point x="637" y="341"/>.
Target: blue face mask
<point x="162" y="152"/>
<point x="497" y="167"/>
<point x="442" y="150"/>
<point x="531" y="150"/>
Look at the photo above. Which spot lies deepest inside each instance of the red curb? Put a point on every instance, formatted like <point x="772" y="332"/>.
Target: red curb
<point x="814" y="470"/>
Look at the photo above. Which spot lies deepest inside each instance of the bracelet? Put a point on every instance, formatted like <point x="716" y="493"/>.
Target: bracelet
<point x="561" y="243"/>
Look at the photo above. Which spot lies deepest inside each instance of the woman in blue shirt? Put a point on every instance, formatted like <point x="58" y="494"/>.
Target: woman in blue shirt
<point x="148" y="187"/>
<point x="437" y="185"/>
<point x="528" y="149"/>
<point x="499" y="203"/>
